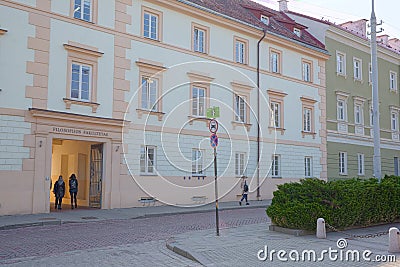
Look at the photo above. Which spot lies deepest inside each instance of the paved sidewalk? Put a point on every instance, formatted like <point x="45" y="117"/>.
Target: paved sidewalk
<point x="240" y="246"/>
<point x="67" y="215"/>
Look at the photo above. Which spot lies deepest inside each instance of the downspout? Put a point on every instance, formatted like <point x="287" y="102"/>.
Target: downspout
<point x="258" y="115"/>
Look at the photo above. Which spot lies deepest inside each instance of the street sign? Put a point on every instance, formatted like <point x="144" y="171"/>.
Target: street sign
<point x="214" y="140"/>
<point x="212" y="112"/>
<point x="213" y="126"/>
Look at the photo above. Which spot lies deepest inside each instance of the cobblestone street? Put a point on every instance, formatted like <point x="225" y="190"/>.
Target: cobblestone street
<point x="114" y="242"/>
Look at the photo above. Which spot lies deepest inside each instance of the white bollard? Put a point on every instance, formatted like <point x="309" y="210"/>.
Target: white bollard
<point x="394" y="239"/>
<point x="321" y="231"/>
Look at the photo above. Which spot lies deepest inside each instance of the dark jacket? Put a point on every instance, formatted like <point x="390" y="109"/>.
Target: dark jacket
<point x="59" y="189"/>
<point x="71" y="181"/>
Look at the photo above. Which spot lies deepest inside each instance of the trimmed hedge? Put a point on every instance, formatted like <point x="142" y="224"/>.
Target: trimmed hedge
<point x="342" y="203"/>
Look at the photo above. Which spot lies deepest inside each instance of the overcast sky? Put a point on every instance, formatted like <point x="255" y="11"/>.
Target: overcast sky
<point x="340" y="11"/>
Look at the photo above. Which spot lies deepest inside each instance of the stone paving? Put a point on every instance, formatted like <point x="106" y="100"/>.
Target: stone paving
<point x="240" y="246"/>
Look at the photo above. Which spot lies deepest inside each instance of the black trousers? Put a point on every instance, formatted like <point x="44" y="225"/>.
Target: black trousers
<point x="58" y="202"/>
<point x="73" y="199"/>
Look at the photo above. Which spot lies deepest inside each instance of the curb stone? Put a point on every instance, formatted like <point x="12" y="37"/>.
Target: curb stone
<point x="179" y="251"/>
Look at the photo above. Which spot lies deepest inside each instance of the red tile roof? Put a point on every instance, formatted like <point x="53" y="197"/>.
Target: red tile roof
<point x="249" y="12"/>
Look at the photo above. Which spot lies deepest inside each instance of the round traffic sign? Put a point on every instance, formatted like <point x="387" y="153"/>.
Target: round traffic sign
<point x="213" y="126"/>
<point x="214" y="140"/>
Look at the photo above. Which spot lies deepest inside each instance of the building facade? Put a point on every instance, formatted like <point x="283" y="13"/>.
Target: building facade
<point x="117" y="92"/>
<point x="349" y="98"/>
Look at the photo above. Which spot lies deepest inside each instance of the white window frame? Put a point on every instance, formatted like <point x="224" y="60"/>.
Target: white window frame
<point x="264" y="19"/>
<point x="240" y="166"/>
<point x="240" y="108"/>
<point x="240" y="52"/>
<point x="77" y="9"/>
<point x="358" y="114"/>
<point x="145" y="160"/>
<point x="308" y="167"/>
<point x="341" y="110"/>
<point x="340" y="63"/>
<point x="297" y="32"/>
<point x="199" y="40"/>
<point x="197" y="162"/>
<point x="148" y="99"/>
<point x="275" y="61"/>
<point x="307" y="120"/>
<point x="342" y="163"/>
<point x="394" y="121"/>
<point x="276" y="166"/>
<point x="357" y="69"/>
<point x="199" y="102"/>
<point x="306" y="71"/>
<point x="276" y="114"/>
<point x="360" y="164"/>
<point x="393" y="81"/>
<point x="151" y="30"/>
<point x="80" y="81"/>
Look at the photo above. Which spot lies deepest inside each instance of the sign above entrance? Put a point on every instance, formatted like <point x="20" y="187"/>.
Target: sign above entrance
<point x="74" y="131"/>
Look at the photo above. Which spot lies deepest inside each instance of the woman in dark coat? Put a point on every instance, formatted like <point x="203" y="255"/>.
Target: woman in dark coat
<point x="59" y="191"/>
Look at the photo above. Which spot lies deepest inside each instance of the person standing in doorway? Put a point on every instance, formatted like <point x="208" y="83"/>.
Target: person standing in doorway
<point x="59" y="191"/>
<point x="73" y="190"/>
<point x="244" y="194"/>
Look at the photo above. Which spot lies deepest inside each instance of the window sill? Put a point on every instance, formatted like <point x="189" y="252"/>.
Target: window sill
<point x="159" y="114"/>
<point x="276" y="177"/>
<point x="148" y="174"/>
<point x="393" y="91"/>
<point x="303" y="133"/>
<point x="197" y="118"/>
<point x="282" y="130"/>
<point x="358" y="80"/>
<point x="341" y="74"/>
<point x="68" y="102"/>
<point x="237" y="123"/>
<point x="343" y="174"/>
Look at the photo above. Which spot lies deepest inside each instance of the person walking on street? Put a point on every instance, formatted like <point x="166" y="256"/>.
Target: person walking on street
<point x="73" y="190"/>
<point x="59" y="191"/>
<point x="244" y="194"/>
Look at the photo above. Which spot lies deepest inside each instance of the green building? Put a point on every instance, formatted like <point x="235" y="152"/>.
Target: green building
<point x="349" y="97"/>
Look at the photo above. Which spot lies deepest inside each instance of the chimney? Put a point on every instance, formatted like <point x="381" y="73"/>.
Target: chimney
<point x="383" y="38"/>
<point x="283" y="5"/>
<point x="358" y="27"/>
<point x="395" y="44"/>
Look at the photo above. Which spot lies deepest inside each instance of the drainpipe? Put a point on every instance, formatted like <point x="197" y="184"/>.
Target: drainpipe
<point x="258" y="115"/>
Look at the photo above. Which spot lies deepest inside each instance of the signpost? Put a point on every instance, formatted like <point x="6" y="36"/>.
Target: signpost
<point x="213" y="113"/>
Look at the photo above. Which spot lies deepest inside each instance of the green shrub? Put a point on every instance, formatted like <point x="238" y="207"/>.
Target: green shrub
<point x="342" y="203"/>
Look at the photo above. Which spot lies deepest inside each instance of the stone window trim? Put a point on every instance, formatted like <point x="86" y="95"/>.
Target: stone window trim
<point x="151" y="69"/>
<point x="278" y="97"/>
<point x="206" y="36"/>
<point x="344" y="97"/>
<point x="246" y="50"/>
<point x="308" y="103"/>
<point x="279" y="53"/>
<point x="94" y="11"/>
<point x="82" y="54"/>
<point x="159" y="16"/>
<point x="243" y="90"/>
<point x="201" y="80"/>
<point x="306" y="61"/>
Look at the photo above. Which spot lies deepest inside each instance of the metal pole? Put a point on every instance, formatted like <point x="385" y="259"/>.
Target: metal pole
<point x="258" y="115"/>
<point x="216" y="191"/>
<point x="375" y="98"/>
